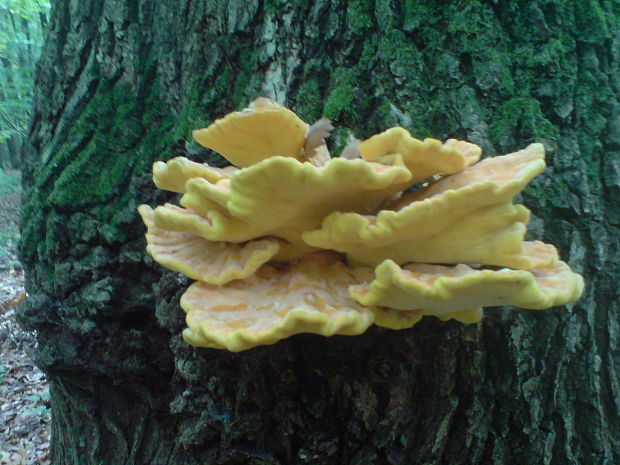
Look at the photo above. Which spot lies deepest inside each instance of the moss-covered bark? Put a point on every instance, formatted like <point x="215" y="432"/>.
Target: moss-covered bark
<point x="121" y="84"/>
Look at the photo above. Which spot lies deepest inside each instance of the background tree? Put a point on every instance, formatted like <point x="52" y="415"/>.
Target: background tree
<point x="22" y="23"/>
<point x="121" y="84"/>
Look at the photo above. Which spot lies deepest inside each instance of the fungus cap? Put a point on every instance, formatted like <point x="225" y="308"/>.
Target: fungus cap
<point x="173" y="174"/>
<point x="211" y="262"/>
<point x="309" y="296"/>
<point x="423" y="158"/>
<point x="442" y="290"/>
<point x="264" y="129"/>
<point x="469" y="219"/>
<point x="215" y="226"/>
<point x="286" y="197"/>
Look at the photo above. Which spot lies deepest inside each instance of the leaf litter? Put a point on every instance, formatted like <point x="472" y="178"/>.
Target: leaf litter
<point x="24" y="393"/>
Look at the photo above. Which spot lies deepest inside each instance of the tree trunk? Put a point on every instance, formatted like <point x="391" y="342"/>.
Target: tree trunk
<point x="121" y="84"/>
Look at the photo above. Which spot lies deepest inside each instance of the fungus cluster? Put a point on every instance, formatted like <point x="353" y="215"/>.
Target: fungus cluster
<point x="290" y="240"/>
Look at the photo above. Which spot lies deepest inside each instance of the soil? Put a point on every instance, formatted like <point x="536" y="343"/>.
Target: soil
<point x="24" y="393"/>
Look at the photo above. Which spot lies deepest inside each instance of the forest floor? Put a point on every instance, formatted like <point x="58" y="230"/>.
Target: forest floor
<point x="24" y="393"/>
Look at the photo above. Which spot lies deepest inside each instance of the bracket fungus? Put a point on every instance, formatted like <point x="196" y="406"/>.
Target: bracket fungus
<point x="290" y="240"/>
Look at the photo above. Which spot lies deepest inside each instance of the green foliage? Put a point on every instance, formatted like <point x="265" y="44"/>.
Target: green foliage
<point x="22" y="24"/>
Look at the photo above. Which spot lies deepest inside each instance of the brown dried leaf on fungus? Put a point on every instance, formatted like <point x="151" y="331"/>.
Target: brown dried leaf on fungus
<point x="351" y="151"/>
<point x="315" y="148"/>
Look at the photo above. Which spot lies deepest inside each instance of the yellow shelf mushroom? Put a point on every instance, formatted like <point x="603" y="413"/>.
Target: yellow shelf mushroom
<point x="264" y="129"/>
<point x="291" y="240"/>
<point x="203" y="260"/>
<point x="464" y="218"/>
<point x="285" y="197"/>
<point x="172" y="175"/>
<point x="447" y="290"/>
<point x="309" y="296"/>
<point x="422" y="158"/>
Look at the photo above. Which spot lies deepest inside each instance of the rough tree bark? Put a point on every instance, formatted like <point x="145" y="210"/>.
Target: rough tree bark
<point x="121" y="84"/>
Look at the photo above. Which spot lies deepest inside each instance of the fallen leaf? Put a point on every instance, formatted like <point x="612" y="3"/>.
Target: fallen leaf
<point x="317" y="133"/>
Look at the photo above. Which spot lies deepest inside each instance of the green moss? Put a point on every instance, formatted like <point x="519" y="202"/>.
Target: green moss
<point x="590" y="147"/>
<point x="401" y="57"/>
<point x="384" y="117"/>
<point x="470" y="18"/>
<point x="416" y="14"/>
<point x="368" y="57"/>
<point x="495" y="72"/>
<point x="55" y="233"/>
<point x="520" y="121"/>
<point x="117" y="134"/>
<point x="271" y="7"/>
<point x="309" y="104"/>
<point x="84" y="183"/>
<point x="30" y="238"/>
<point x="113" y="129"/>
<point x="359" y="15"/>
<point x="338" y="139"/>
<point x="340" y="100"/>
<point x="222" y="82"/>
<point x="246" y="85"/>
<point x="592" y="21"/>
<point x="386" y="15"/>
